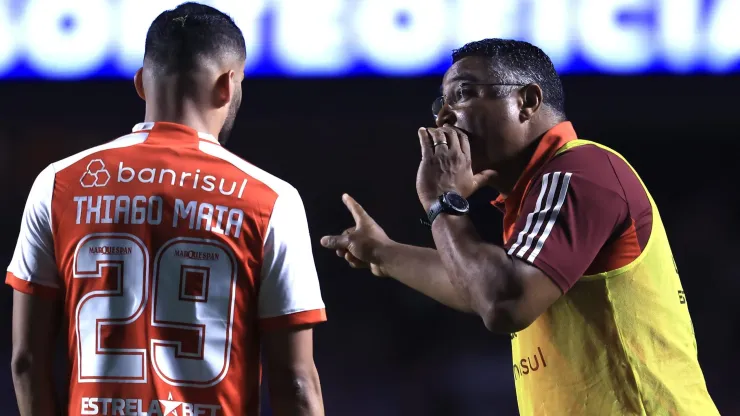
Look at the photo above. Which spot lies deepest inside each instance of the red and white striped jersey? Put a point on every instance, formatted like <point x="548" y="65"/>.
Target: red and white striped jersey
<point x="172" y="255"/>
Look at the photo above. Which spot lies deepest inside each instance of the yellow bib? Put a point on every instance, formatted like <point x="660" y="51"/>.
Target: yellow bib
<point x="618" y="343"/>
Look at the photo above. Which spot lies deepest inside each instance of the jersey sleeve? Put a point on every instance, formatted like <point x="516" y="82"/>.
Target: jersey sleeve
<point x="565" y="220"/>
<point x="33" y="268"/>
<point x="289" y="293"/>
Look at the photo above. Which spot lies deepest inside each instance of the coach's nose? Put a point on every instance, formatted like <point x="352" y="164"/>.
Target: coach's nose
<point x="446" y="116"/>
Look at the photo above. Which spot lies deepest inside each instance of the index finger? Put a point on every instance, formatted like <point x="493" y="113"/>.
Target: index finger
<point x="358" y="213"/>
<point x="426" y="143"/>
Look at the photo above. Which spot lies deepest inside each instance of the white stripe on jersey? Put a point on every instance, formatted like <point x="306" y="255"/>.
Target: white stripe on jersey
<point x="531" y="215"/>
<point x="553" y="218"/>
<point x="549" y="212"/>
<point x="542" y="215"/>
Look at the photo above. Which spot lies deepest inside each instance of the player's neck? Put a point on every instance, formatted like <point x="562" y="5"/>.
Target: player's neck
<point x="184" y="114"/>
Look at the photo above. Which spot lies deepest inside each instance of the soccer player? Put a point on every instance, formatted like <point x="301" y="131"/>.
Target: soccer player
<point x="585" y="282"/>
<point x="174" y="264"/>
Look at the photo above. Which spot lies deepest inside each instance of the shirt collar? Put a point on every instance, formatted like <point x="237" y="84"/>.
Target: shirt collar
<point x="553" y="139"/>
<point x="162" y="125"/>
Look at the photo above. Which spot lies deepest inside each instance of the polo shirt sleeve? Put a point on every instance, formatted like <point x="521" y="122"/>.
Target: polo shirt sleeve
<point x="571" y="211"/>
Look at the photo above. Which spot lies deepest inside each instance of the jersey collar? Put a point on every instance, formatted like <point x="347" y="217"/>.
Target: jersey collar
<point x="162" y="125"/>
<point x="554" y="139"/>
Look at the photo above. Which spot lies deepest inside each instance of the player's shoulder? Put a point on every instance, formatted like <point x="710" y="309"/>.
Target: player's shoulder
<point x="85" y="156"/>
<point x="256" y="175"/>
<point x="91" y="157"/>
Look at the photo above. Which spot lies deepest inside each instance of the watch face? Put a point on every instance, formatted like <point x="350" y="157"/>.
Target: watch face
<point x="457" y="202"/>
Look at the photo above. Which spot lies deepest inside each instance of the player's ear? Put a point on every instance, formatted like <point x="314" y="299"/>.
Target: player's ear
<point x="224" y="89"/>
<point x="530" y="100"/>
<point x="139" y="83"/>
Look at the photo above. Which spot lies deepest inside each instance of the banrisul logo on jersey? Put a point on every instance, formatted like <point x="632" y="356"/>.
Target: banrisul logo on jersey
<point x="96" y="175"/>
<point x="192" y="180"/>
<point x="138" y="407"/>
<point x="135" y="204"/>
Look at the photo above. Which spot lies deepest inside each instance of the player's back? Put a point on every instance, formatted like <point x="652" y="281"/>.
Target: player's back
<point x="172" y="254"/>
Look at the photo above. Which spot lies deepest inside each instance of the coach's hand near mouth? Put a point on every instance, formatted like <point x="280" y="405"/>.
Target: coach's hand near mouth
<point x="446" y="166"/>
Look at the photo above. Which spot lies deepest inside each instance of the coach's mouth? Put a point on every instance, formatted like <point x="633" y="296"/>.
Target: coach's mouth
<point x="467" y="133"/>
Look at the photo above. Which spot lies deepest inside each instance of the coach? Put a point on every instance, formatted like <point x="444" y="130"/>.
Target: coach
<point x="585" y="282"/>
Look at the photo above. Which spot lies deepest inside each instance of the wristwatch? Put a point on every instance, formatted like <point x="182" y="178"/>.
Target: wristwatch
<point x="449" y="203"/>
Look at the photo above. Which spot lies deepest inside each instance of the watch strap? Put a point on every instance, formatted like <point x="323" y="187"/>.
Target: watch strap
<point x="434" y="211"/>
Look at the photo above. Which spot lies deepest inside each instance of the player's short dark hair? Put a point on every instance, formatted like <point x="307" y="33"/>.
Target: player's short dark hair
<point x="179" y="38"/>
<point x="520" y="62"/>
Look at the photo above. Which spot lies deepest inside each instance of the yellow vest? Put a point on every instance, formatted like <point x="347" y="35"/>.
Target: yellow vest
<point x="617" y="343"/>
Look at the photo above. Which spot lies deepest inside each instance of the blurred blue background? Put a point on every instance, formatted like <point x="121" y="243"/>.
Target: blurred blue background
<point x="335" y="93"/>
<point x="82" y="39"/>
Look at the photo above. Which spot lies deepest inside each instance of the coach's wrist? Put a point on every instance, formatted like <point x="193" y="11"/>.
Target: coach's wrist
<point x="384" y="255"/>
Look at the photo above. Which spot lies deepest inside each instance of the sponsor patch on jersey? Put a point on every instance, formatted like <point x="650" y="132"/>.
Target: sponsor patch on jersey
<point x="110" y="406"/>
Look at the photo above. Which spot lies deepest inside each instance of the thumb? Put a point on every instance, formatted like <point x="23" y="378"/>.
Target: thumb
<point x="335" y="242"/>
<point x="483" y="179"/>
<point x="358" y="213"/>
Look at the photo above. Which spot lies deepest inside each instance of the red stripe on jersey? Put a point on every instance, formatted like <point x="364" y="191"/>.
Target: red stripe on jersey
<point x="31" y="288"/>
<point x="295" y="319"/>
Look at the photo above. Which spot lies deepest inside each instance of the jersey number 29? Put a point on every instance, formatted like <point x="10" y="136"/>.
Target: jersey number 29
<point x="206" y="316"/>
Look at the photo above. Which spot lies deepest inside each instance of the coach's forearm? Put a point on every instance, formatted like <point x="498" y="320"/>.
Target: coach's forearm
<point x="34" y="388"/>
<point x="480" y="272"/>
<point x="421" y="269"/>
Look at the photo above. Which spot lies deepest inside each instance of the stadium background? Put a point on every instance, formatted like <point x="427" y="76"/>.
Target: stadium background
<point x="332" y="105"/>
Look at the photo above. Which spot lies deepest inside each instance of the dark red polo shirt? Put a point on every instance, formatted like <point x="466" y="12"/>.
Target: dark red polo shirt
<point x="577" y="212"/>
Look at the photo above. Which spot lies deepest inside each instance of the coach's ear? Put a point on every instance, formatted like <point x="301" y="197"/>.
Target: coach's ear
<point x="139" y="83"/>
<point x="530" y="99"/>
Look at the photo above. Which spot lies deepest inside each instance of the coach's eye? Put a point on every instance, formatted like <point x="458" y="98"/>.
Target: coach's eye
<point x="464" y="92"/>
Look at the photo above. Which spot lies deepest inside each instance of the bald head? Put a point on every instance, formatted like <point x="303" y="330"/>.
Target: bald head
<point x="185" y="39"/>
